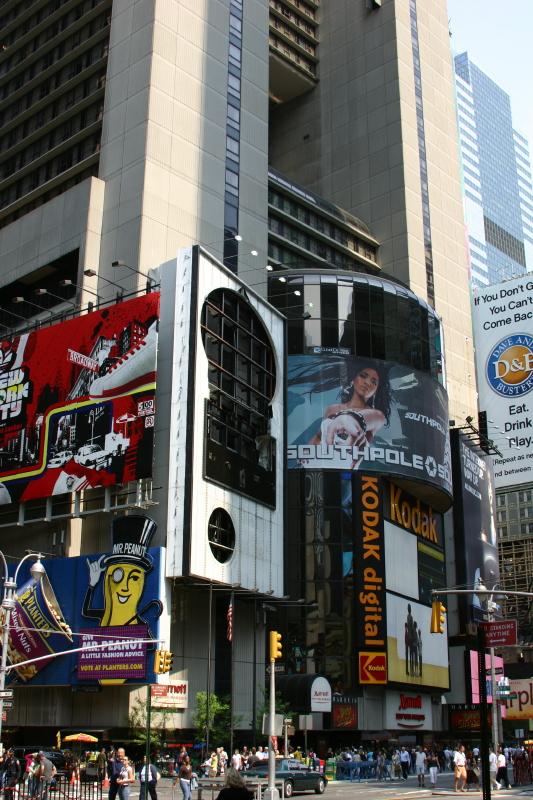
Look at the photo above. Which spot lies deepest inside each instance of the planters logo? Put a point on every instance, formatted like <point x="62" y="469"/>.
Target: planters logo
<point x="510" y="366"/>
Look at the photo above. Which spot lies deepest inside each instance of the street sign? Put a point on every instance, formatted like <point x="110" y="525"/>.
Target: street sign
<point x="6" y="694"/>
<point x="500" y="633"/>
<point x="8" y="703"/>
<point x="497" y="671"/>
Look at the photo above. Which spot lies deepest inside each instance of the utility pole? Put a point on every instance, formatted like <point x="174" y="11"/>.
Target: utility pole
<point x="271" y="793"/>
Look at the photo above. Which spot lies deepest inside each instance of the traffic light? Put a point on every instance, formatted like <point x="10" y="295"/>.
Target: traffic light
<point x="168" y="658"/>
<point x="275" y="645"/>
<point x="438" y="617"/>
<point x="163" y="661"/>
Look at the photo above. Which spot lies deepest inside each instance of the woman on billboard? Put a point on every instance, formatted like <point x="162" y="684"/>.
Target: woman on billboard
<point x="363" y="409"/>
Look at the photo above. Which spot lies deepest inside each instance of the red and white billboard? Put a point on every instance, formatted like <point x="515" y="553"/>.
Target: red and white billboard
<point x="77" y="402"/>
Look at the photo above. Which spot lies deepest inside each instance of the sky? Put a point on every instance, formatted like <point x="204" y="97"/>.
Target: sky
<point x="498" y="37"/>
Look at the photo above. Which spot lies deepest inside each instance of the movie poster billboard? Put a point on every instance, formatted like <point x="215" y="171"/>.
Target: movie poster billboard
<point x="77" y="402"/>
<point x="415" y="656"/>
<point x="352" y="413"/>
<point x="503" y="332"/>
<point x="474" y="511"/>
<point x="111" y="599"/>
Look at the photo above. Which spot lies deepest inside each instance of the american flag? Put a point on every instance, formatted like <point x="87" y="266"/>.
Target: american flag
<point x="229" y="619"/>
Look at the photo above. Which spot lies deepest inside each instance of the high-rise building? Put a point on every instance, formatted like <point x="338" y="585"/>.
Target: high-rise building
<point x="498" y="192"/>
<point x="294" y="135"/>
<point x="130" y="130"/>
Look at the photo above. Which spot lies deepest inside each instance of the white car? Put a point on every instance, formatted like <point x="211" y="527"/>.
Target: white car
<point x="91" y="455"/>
<point x="61" y="458"/>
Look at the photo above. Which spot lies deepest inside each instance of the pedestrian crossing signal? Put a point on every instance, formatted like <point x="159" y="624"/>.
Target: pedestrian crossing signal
<point x="438" y="617"/>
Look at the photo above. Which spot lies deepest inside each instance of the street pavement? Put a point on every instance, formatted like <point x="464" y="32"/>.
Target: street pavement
<point x="366" y="790"/>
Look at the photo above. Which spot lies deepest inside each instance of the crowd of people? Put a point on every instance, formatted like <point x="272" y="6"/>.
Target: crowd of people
<point x="118" y="773"/>
<point x="399" y="763"/>
<point x="36" y="771"/>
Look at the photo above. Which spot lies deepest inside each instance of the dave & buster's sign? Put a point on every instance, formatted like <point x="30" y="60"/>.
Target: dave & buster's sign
<point x="352" y="413"/>
<point x="77" y="402"/>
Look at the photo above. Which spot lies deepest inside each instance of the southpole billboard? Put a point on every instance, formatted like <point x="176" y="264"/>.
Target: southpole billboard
<point x="503" y="330"/>
<point x="77" y="402"/>
<point x="351" y="413"/>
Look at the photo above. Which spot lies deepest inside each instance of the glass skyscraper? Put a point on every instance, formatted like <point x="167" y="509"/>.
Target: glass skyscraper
<point x="496" y="177"/>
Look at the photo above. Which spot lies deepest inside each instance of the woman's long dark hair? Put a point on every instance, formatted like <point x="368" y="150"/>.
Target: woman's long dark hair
<point x="382" y="397"/>
<point x="326" y="374"/>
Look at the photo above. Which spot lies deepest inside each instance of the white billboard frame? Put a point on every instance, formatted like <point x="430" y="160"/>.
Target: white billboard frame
<point x="502" y="317"/>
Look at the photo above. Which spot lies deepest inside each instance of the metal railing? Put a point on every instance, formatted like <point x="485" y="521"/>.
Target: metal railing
<point x="60" y="788"/>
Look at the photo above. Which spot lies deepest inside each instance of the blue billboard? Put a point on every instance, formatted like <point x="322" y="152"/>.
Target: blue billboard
<point x="107" y="604"/>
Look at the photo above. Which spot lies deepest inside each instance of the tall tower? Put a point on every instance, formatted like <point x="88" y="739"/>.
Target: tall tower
<point x="377" y="135"/>
<point x="497" y="184"/>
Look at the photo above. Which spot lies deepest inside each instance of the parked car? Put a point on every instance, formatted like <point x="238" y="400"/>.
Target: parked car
<point x="91" y="455"/>
<point x="296" y="777"/>
<point x="61" y="458"/>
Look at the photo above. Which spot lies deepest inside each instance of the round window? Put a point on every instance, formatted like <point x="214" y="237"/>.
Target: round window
<point x="221" y="535"/>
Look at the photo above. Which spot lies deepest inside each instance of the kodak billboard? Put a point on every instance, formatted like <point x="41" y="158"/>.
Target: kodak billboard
<point x="369" y="575"/>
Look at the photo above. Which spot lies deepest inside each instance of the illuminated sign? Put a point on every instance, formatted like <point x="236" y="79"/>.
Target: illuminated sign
<point x="369" y="566"/>
<point x="414" y="516"/>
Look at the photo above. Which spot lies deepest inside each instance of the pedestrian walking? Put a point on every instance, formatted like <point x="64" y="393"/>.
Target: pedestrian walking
<point x="185" y="778"/>
<point x="148" y="777"/>
<point x="114" y="768"/>
<point x="12" y="773"/>
<point x="46" y="773"/>
<point x="459" y="769"/>
<point x="125" y="779"/>
<point x="501" y="775"/>
<point x="101" y="764"/>
<point x="433" y="766"/>
<point x="405" y="762"/>
<point x="420" y="766"/>
<point x="493" y="769"/>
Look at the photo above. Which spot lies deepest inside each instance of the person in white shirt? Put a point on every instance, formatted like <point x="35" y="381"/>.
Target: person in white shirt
<point x="493" y="769"/>
<point x="501" y="775"/>
<point x="459" y="769"/>
<point x="405" y="762"/>
<point x="420" y="766"/>
<point x="236" y="760"/>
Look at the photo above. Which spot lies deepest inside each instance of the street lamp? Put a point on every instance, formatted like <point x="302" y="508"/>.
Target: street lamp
<point x="486" y="599"/>
<point x="8" y="604"/>
<point x="150" y="283"/>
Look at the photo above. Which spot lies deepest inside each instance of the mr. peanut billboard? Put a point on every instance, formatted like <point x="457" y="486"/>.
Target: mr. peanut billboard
<point x="77" y="402"/>
<point x="110" y="600"/>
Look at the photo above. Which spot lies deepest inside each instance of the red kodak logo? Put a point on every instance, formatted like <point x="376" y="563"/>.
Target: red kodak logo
<point x="372" y="668"/>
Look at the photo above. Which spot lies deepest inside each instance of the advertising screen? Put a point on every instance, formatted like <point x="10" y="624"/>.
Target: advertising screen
<point x="520" y="707"/>
<point x="503" y="331"/>
<point x="474" y="518"/>
<point x="474" y="674"/>
<point x="111" y="599"/>
<point x="352" y="413"/>
<point x="415" y="656"/>
<point x="77" y="402"/>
